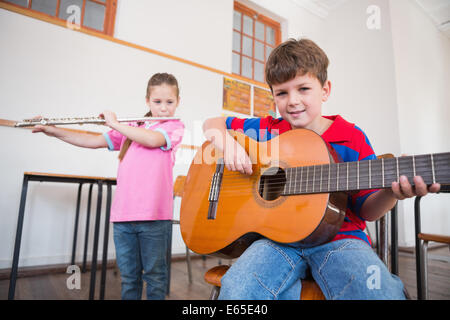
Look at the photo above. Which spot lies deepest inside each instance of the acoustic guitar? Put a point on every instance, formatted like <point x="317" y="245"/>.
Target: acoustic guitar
<point x="297" y="193"/>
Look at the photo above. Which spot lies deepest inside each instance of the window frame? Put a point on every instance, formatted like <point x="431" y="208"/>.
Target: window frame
<point x="108" y="22"/>
<point x="256" y="17"/>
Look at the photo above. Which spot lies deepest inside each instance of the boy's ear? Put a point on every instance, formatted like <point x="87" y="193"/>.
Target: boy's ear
<point x="326" y="89"/>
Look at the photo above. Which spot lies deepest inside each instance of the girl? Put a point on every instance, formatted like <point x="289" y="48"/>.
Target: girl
<point x="143" y="205"/>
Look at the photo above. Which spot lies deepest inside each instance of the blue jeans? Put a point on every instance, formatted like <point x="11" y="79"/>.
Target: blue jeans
<point x="141" y="253"/>
<point x="343" y="269"/>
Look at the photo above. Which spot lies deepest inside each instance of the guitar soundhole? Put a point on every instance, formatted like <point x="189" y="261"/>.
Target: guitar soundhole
<point x="272" y="183"/>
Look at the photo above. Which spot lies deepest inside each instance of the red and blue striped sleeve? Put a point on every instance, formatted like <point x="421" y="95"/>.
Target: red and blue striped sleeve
<point x="256" y="128"/>
<point x="365" y="152"/>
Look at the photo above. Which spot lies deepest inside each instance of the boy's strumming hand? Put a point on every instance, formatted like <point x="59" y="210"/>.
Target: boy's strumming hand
<point x="236" y="158"/>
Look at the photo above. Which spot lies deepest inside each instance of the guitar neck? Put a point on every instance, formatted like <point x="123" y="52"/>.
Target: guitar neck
<point x="364" y="175"/>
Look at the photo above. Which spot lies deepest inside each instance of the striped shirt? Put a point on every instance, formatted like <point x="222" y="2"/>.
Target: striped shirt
<point x="350" y="144"/>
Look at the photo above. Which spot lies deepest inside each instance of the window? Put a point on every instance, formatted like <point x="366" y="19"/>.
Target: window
<point x="97" y="15"/>
<point x="254" y="37"/>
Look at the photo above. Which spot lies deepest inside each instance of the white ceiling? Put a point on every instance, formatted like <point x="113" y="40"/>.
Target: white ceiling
<point x="437" y="10"/>
<point x="320" y="8"/>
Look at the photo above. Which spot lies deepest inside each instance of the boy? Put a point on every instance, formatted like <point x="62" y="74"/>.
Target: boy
<point x="296" y="72"/>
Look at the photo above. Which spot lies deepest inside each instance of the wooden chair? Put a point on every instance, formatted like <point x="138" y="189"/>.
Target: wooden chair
<point x="422" y="240"/>
<point x="310" y="289"/>
<point x="381" y="226"/>
<point x="178" y="188"/>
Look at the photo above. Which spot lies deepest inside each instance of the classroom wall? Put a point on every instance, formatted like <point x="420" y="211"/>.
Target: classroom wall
<point x="422" y="62"/>
<point x="180" y="28"/>
<point x="56" y="72"/>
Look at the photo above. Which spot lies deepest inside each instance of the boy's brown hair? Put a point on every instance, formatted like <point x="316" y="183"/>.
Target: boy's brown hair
<point x="296" y="57"/>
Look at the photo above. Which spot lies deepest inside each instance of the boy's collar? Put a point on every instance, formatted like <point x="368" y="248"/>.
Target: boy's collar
<point x="339" y="131"/>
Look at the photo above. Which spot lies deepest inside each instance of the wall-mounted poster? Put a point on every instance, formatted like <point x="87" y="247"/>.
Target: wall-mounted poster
<point x="236" y="96"/>
<point x="263" y="104"/>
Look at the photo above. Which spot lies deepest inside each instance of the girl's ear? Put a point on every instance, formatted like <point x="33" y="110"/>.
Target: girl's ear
<point x="178" y="102"/>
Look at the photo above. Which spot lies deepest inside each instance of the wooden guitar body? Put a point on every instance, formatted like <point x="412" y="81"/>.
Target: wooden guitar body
<point x="252" y="206"/>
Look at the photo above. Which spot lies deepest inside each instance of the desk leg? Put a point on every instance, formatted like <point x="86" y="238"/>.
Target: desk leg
<point x="105" y="243"/>
<point x="95" y="249"/>
<point x="75" y="231"/>
<point x="86" y="235"/>
<point x="15" y="264"/>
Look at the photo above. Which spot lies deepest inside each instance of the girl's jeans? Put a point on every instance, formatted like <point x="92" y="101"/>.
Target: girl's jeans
<point x="343" y="269"/>
<point x="141" y="253"/>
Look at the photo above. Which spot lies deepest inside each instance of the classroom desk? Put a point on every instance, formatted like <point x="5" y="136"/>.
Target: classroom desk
<point x="63" y="178"/>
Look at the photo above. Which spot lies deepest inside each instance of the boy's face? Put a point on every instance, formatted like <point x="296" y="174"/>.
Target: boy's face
<point x="299" y="101"/>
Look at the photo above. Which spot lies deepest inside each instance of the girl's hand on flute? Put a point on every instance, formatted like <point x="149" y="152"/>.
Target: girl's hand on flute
<point x="48" y="130"/>
<point x="110" y="118"/>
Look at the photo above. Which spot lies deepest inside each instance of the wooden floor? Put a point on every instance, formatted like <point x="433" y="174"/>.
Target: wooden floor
<point x="438" y="273"/>
<point x="54" y="287"/>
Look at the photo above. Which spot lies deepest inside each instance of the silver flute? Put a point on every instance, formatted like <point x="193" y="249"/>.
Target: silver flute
<point x="85" y="120"/>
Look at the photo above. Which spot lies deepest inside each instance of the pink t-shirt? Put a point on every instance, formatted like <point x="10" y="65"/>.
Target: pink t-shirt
<point x="144" y="179"/>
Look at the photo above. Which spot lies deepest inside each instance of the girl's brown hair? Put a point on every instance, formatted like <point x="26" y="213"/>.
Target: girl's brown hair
<point x="156" y="80"/>
<point x="296" y="57"/>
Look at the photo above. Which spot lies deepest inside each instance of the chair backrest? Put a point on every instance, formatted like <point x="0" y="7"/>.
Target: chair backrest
<point x="382" y="226"/>
<point x="385" y="156"/>
<point x="178" y="186"/>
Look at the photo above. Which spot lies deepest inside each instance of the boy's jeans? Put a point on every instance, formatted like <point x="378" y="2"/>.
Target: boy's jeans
<point x="141" y="253"/>
<point x="343" y="269"/>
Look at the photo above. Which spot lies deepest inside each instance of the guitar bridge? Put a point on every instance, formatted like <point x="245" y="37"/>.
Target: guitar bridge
<point x="214" y="190"/>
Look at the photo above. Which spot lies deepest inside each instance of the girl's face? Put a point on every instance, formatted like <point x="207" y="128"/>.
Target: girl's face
<point x="163" y="100"/>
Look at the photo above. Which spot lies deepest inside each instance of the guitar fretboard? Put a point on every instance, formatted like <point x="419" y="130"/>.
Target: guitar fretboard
<point x="370" y="174"/>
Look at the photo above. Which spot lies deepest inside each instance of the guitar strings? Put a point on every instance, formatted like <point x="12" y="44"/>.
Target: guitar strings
<point x="284" y="192"/>
<point x="244" y="191"/>
<point x="333" y="184"/>
<point x="388" y="175"/>
<point x="235" y="180"/>
<point x="375" y="178"/>
<point x="334" y="180"/>
<point x="238" y="177"/>
<point x="328" y="184"/>
<point x="418" y="167"/>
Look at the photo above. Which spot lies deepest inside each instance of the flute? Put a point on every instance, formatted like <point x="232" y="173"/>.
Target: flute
<point x="85" y="120"/>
